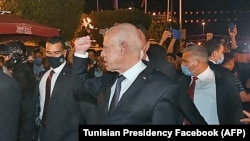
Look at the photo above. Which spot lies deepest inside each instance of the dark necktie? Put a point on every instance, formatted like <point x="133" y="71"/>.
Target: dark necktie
<point x="47" y="97"/>
<point x="191" y="88"/>
<point x="191" y="94"/>
<point x="116" y="95"/>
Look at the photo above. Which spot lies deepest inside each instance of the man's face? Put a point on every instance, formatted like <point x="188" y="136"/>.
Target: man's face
<point x="111" y="54"/>
<point x="170" y="59"/>
<point x="38" y="55"/>
<point x="219" y="53"/>
<point x="55" y="50"/>
<point x="190" y="62"/>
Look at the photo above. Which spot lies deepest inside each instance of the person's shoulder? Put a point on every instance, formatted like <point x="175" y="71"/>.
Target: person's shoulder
<point x="7" y="80"/>
<point x="161" y="77"/>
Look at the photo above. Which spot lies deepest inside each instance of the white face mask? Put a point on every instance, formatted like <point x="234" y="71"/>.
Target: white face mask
<point x="221" y="59"/>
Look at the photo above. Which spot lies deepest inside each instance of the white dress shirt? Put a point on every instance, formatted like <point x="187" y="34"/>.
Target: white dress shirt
<point x="42" y="85"/>
<point x="205" y="96"/>
<point x="130" y="75"/>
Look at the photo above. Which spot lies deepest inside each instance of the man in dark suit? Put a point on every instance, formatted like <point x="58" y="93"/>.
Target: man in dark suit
<point x="147" y="95"/>
<point x="155" y="59"/>
<point x="59" y="121"/>
<point x="10" y="100"/>
<point x="15" y="56"/>
<point x="154" y="56"/>
<point x="215" y="95"/>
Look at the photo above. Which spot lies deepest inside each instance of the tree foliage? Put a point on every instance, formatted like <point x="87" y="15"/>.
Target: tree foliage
<point x="106" y="19"/>
<point x="62" y="14"/>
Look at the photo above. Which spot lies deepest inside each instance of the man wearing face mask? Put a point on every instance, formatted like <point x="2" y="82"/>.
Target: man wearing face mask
<point x="153" y="55"/>
<point x="60" y="113"/>
<point x="215" y="95"/>
<point x="215" y="50"/>
<point x="38" y="63"/>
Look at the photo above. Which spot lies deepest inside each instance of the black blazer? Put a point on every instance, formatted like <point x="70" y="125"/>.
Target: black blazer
<point x="163" y="66"/>
<point x="65" y="113"/>
<point x="229" y="106"/>
<point x="186" y="105"/>
<point x="10" y="102"/>
<point x="151" y="99"/>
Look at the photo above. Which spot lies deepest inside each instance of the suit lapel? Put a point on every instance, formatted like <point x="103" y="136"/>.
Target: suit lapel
<point x="60" y="81"/>
<point x="137" y="84"/>
<point x="107" y="93"/>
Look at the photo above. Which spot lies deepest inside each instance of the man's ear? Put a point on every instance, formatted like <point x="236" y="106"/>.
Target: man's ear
<point x="214" y="53"/>
<point x="124" y="47"/>
<point x="146" y="47"/>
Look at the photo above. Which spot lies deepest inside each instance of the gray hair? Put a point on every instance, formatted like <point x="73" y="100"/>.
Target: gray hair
<point x="198" y="52"/>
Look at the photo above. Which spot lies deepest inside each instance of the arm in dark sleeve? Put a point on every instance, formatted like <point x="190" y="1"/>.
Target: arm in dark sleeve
<point x="82" y="85"/>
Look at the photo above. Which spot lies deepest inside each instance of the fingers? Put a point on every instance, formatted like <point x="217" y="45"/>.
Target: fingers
<point x="82" y="44"/>
<point x="246" y="113"/>
<point x="246" y="120"/>
<point x="82" y="40"/>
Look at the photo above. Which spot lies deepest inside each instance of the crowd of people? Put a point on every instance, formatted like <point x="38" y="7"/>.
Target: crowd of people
<point x="130" y="82"/>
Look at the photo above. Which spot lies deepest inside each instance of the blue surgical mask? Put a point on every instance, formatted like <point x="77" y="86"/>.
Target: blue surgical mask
<point x="186" y="70"/>
<point x="221" y="59"/>
<point x="38" y="61"/>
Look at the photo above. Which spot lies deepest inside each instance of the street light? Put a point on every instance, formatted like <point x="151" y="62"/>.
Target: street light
<point x="203" y="26"/>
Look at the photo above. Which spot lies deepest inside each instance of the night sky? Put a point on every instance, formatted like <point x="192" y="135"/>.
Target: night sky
<point x="188" y="5"/>
<point x="161" y="5"/>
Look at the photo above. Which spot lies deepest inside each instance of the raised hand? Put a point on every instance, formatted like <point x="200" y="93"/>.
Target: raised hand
<point x="234" y="32"/>
<point x="82" y="44"/>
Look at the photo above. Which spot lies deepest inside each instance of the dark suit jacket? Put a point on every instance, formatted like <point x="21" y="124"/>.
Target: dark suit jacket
<point x="229" y="107"/>
<point x="156" y="55"/>
<point x="151" y="99"/>
<point x="26" y="80"/>
<point x="186" y="105"/>
<point x="65" y="113"/>
<point x="163" y="66"/>
<point x="10" y="102"/>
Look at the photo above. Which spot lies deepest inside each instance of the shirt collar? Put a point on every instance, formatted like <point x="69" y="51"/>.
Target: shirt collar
<point x="134" y="71"/>
<point x="58" y="69"/>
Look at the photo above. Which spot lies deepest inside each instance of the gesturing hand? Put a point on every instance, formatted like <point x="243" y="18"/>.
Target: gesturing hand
<point x="247" y="119"/>
<point x="82" y="44"/>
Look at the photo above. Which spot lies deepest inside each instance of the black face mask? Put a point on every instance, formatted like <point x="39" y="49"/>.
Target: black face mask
<point x="55" y="62"/>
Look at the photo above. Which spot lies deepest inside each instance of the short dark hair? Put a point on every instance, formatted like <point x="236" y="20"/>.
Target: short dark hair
<point x="227" y="57"/>
<point x="171" y="55"/>
<point x="57" y="39"/>
<point x="212" y="45"/>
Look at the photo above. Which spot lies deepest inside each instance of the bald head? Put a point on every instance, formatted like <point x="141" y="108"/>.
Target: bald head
<point x="122" y="45"/>
<point x="124" y="33"/>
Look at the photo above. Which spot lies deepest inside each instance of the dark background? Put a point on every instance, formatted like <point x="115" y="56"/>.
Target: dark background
<point x="219" y="27"/>
<point x="161" y="5"/>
